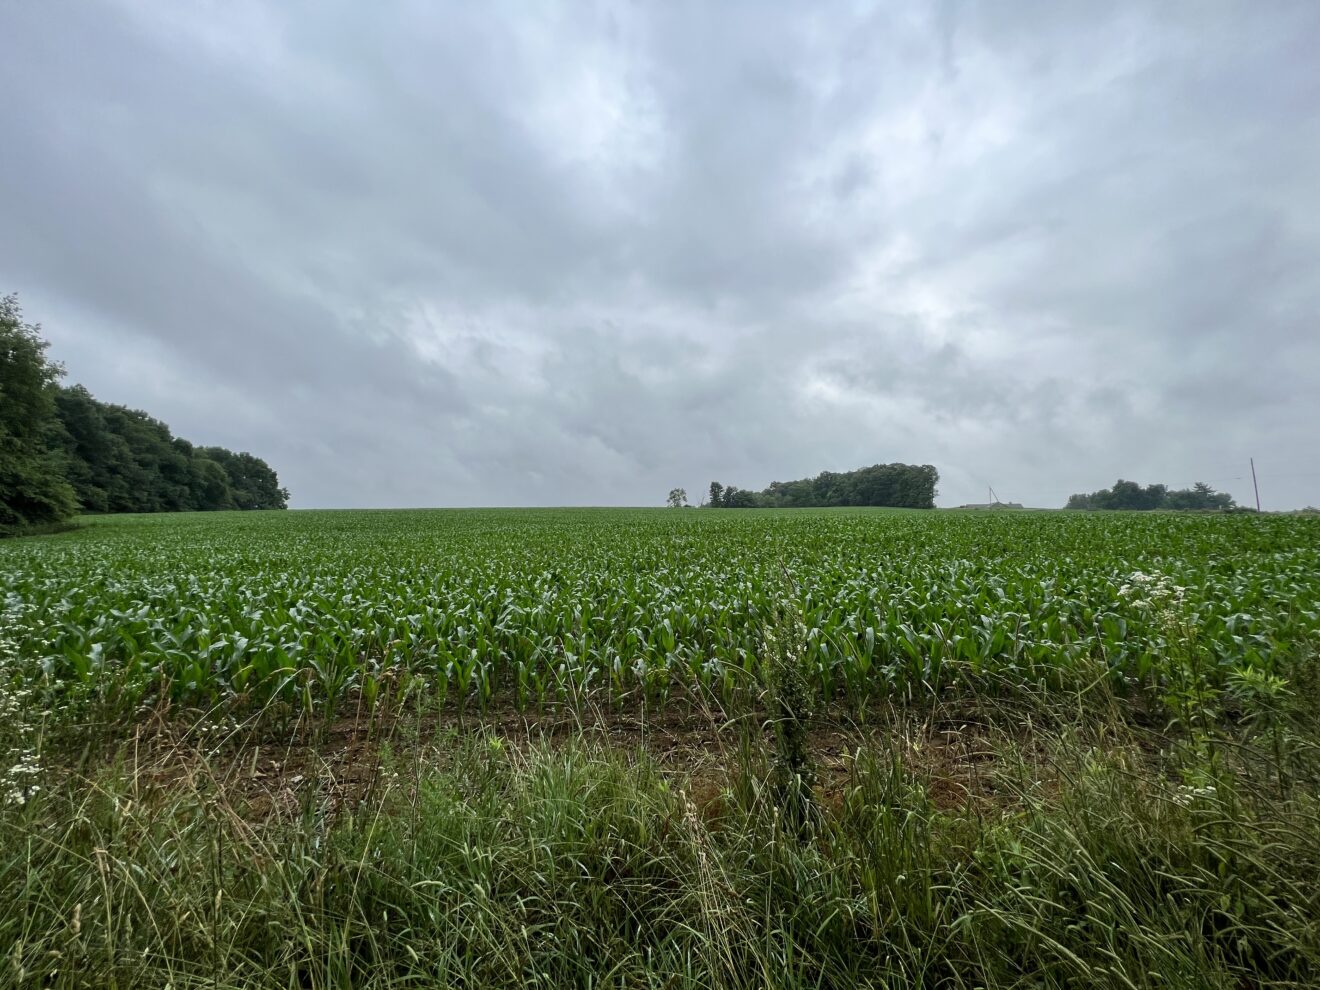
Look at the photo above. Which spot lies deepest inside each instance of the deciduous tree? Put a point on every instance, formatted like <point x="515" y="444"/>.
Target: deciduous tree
<point x="33" y="489"/>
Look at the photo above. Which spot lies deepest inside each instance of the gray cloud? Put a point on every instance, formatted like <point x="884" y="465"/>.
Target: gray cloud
<point x="456" y="254"/>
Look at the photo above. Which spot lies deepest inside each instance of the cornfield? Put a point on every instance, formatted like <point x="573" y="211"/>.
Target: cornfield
<point x="533" y="605"/>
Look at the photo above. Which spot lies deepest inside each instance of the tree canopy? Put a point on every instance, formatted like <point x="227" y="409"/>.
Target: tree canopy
<point x="123" y="460"/>
<point x="1128" y="495"/>
<point x="62" y="451"/>
<point x="908" y="486"/>
<point x="33" y="489"/>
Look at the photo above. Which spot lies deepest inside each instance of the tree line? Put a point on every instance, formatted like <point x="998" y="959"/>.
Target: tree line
<point x="905" y="486"/>
<point x="1131" y="496"/>
<point x="63" y="452"/>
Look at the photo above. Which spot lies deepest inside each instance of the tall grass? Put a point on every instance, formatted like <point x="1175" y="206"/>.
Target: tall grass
<point x="576" y="865"/>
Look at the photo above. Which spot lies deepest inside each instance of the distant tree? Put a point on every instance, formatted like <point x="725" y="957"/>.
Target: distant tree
<point x="254" y="484"/>
<point x="831" y="488"/>
<point x="716" y="497"/>
<point x="740" y="498"/>
<point x="33" y="489"/>
<point x="1130" y="496"/>
<point x="93" y="455"/>
<point x="790" y="494"/>
<point x="894" y="485"/>
<point x="1199" y="496"/>
<point x="122" y="460"/>
<point x="60" y="449"/>
<point x="210" y="485"/>
<point x="1124" y="495"/>
<point x="1152" y="497"/>
<point x="677" y="498"/>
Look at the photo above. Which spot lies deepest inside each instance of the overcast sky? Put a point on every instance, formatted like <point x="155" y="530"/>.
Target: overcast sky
<point x="478" y="254"/>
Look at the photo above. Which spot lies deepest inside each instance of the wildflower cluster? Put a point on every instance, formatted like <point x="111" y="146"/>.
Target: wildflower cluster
<point x="18" y="757"/>
<point x="20" y="780"/>
<point x="1157" y="594"/>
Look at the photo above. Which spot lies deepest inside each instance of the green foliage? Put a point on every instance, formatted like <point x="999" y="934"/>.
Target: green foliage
<point x="61" y="450"/>
<point x="544" y="604"/>
<point x="677" y="498"/>
<point x="33" y="492"/>
<point x="1038" y="802"/>
<point x="792" y="708"/>
<point x="253" y="483"/>
<point x="738" y="498"/>
<point x="122" y="460"/>
<point x="1131" y="496"/>
<point x="569" y="866"/>
<point x="902" y="486"/>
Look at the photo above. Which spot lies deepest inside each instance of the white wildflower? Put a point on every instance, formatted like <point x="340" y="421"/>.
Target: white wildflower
<point x="19" y="778"/>
<point x="1187" y="795"/>
<point x="1157" y="594"/>
<point x="19" y="782"/>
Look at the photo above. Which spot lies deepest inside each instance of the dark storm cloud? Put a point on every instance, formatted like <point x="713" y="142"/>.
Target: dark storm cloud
<point x="454" y="254"/>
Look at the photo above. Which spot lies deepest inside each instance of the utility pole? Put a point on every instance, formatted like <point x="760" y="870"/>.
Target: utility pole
<point x="1253" y="482"/>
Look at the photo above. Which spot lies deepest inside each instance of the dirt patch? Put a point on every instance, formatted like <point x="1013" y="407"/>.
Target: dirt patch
<point x="272" y="769"/>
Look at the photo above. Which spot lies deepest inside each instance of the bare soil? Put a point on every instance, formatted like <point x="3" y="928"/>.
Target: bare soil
<point x="275" y="770"/>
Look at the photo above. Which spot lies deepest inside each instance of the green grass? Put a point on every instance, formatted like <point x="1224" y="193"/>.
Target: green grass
<point x="944" y="750"/>
<point x="573" y="866"/>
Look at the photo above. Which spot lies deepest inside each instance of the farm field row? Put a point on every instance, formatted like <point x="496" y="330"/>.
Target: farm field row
<point x="537" y="604"/>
